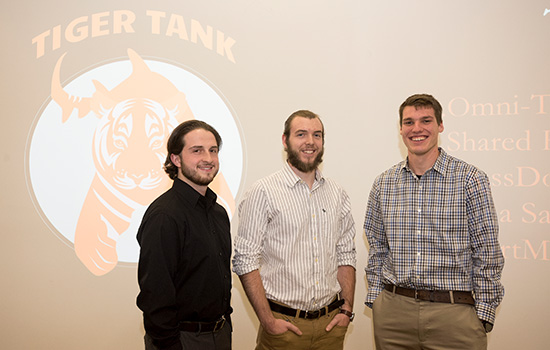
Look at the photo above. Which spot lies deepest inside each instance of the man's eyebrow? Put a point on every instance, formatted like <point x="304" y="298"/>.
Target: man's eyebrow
<point x="304" y="130"/>
<point x="423" y="117"/>
<point x="202" y="147"/>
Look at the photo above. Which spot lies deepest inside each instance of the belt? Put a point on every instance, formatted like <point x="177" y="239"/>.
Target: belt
<point x="285" y="310"/>
<point x="438" y="296"/>
<point x="203" y="327"/>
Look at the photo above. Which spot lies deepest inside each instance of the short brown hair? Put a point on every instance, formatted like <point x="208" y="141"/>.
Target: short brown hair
<point x="422" y="100"/>
<point x="304" y="114"/>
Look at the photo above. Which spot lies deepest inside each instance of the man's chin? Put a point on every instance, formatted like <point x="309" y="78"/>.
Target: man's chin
<point x="203" y="180"/>
<point x="303" y="166"/>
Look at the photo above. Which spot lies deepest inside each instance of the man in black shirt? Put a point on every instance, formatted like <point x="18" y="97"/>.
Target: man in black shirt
<point x="184" y="265"/>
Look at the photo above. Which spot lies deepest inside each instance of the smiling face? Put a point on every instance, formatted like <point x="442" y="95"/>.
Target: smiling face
<point x="198" y="161"/>
<point x="420" y="131"/>
<point x="304" y="144"/>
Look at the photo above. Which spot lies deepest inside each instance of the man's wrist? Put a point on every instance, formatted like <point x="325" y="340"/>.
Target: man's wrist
<point x="348" y="313"/>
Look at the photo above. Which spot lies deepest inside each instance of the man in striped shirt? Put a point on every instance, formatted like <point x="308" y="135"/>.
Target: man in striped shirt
<point x="434" y="264"/>
<point x="295" y="251"/>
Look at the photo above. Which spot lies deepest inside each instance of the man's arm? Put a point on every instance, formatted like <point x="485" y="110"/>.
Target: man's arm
<point x="254" y="217"/>
<point x="346" y="279"/>
<point x="255" y="292"/>
<point x="347" y="258"/>
<point x="374" y="230"/>
<point x="486" y="252"/>
<point x="159" y="251"/>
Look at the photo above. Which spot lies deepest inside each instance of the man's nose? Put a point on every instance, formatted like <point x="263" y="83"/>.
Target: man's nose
<point x="207" y="156"/>
<point x="416" y="126"/>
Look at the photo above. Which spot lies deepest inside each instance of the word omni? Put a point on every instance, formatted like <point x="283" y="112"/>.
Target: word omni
<point x="123" y="21"/>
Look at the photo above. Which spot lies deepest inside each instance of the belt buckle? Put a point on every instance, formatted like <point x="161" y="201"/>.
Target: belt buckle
<point x="312" y="314"/>
<point x="218" y="322"/>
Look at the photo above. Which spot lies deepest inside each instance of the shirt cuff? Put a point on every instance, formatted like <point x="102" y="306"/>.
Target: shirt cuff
<point x="244" y="269"/>
<point x="349" y="259"/>
<point x="485" y="312"/>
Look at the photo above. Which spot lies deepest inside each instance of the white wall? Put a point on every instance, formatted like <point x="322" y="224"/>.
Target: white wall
<point x="352" y="62"/>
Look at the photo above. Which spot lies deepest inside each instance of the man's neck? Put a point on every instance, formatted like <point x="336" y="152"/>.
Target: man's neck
<point x="308" y="178"/>
<point x="419" y="164"/>
<point x="198" y="188"/>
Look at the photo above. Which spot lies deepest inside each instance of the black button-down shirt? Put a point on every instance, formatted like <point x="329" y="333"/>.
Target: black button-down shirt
<point x="184" y="264"/>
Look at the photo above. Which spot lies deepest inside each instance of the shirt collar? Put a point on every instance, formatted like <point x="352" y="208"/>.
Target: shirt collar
<point x="292" y="179"/>
<point x="192" y="196"/>
<point x="440" y="165"/>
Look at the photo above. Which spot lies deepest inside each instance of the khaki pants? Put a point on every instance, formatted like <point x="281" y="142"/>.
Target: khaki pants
<point x="314" y="336"/>
<point x="401" y="322"/>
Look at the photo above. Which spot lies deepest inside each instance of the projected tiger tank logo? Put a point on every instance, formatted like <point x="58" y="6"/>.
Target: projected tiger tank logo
<point x="96" y="155"/>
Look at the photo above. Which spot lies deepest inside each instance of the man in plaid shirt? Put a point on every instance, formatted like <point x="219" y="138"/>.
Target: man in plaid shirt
<point x="434" y="264"/>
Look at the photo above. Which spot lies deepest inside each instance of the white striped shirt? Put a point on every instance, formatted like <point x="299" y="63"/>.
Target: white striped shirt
<point x="297" y="237"/>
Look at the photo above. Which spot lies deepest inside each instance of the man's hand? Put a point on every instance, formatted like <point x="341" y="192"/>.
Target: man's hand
<point x="278" y="326"/>
<point x="338" y="320"/>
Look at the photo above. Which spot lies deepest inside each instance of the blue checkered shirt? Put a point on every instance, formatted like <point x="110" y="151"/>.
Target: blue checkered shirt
<point x="436" y="232"/>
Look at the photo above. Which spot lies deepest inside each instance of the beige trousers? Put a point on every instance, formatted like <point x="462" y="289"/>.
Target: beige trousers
<point x="314" y="336"/>
<point x="401" y="322"/>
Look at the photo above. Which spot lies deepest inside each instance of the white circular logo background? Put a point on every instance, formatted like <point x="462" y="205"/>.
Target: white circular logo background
<point x="59" y="155"/>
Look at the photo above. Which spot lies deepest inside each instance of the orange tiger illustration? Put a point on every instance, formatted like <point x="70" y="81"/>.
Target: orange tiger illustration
<point x="129" y="148"/>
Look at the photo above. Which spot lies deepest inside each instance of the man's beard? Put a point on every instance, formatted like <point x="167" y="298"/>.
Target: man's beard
<point x="294" y="160"/>
<point x="195" y="178"/>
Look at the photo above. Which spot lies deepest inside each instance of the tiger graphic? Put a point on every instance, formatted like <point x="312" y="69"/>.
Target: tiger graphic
<point x="129" y="149"/>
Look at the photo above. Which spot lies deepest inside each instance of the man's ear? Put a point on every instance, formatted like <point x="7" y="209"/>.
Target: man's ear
<point x="176" y="159"/>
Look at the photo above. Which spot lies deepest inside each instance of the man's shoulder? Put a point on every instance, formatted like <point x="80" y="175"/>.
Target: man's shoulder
<point x="220" y="210"/>
<point x="272" y="180"/>
<point x="392" y="172"/>
<point x="456" y="166"/>
<point x="163" y="203"/>
<point x="333" y="184"/>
